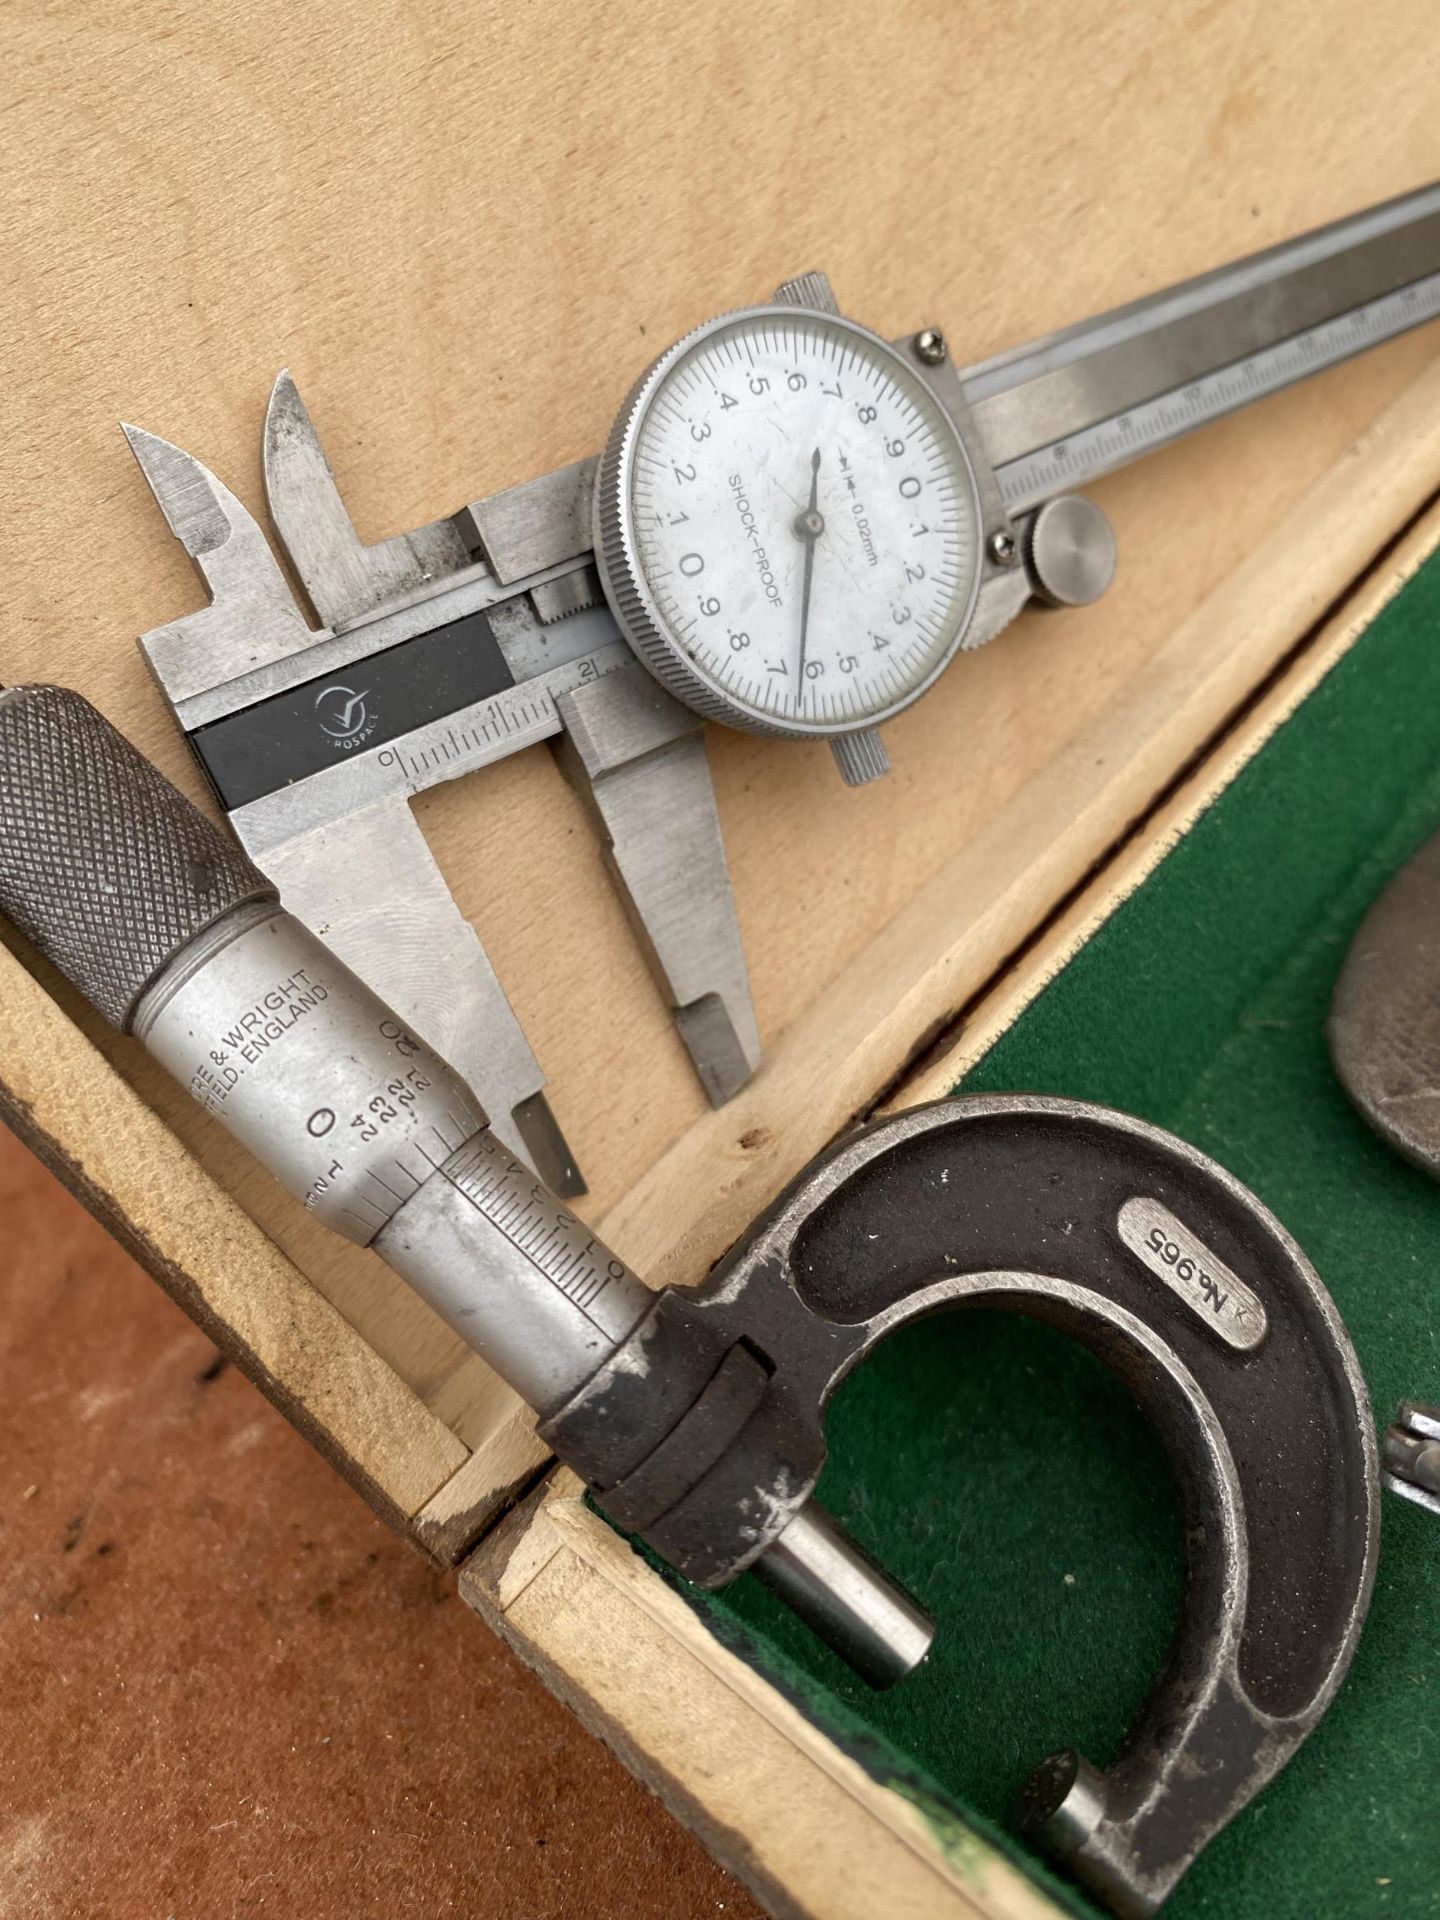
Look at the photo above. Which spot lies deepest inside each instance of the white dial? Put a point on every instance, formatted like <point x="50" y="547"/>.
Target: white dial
<point x="796" y="538"/>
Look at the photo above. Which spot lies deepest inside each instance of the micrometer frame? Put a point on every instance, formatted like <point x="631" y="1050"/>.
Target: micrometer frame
<point x="1014" y="1201"/>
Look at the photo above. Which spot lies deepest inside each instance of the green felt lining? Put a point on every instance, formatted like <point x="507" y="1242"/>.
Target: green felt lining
<point x="999" y="1471"/>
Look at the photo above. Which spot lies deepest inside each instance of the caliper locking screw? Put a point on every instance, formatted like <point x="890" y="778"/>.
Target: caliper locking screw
<point x="930" y="345"/>
<point x="1003" y="548"/>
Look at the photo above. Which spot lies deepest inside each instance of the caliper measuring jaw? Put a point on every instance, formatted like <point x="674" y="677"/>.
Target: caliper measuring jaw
<point x="443" y="650"/>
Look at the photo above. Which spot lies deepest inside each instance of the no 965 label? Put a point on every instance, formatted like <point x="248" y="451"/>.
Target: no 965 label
<point x="1212" y="1291"/>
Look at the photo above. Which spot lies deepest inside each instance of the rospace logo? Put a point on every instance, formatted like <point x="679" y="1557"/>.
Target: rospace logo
<point x="344" y="716"/>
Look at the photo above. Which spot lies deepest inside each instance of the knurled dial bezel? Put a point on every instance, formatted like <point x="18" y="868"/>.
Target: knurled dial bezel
<point x="634" y="605"/>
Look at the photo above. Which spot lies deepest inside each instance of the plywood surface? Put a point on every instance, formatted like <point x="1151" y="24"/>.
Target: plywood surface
<point x="466" y="227"/>
<point x="998" y="1009"/>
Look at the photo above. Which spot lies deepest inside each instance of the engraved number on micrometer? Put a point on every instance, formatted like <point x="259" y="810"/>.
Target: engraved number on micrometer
<point x="1115" y="441"/>
<point x="1213" y="1292"/>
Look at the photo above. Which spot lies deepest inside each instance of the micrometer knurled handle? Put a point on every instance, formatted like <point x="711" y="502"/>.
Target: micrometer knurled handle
<point x="104" y="866"/>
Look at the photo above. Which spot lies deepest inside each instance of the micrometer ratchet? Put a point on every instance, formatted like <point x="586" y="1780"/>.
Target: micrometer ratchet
<point x="696" y="1416"/>
<point x="793" y="529"/>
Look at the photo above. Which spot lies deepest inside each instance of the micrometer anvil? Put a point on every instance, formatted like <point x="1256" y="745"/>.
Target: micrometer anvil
<point x="793" y="529"/>
<point x="696" y="1416"/>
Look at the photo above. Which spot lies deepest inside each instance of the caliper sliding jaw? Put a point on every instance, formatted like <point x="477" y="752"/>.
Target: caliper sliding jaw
<point x="442" y="650"/>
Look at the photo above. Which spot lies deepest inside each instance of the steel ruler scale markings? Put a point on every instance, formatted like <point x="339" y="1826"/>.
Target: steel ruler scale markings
<point x="793" y="529"/>
<point x="472" y="737"/>
<point x="1063" y="410"/>
<point x="569" y="1256"/>
<point x="273" y="751"/>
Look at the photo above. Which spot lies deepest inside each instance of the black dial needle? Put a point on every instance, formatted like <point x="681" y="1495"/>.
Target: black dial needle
<point x="809" y="525"/>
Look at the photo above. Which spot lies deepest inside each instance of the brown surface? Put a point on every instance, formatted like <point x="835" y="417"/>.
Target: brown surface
<point x="227" y="1688"/>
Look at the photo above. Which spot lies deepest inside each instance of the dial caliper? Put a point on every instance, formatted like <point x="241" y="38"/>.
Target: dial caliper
<point x="794" y="528"/>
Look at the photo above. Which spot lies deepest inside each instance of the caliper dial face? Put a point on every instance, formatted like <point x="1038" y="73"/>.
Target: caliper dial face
<point x="801" y="528"/>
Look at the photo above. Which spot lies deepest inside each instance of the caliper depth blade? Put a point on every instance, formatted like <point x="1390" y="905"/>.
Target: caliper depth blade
<point x="1064" y="409"/>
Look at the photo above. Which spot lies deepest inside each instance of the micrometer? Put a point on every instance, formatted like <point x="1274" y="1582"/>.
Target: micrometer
<point x="696" y="1416"/>
<point x="794" y="528"/>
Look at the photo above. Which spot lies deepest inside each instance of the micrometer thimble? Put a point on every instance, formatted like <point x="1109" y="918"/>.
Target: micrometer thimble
<point x="159" y="920"/>
<point x="104" y="866"/>
<point x="175" y="936"/>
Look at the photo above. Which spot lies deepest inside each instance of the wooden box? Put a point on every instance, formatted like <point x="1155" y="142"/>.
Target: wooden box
<point x="464" y="284"/>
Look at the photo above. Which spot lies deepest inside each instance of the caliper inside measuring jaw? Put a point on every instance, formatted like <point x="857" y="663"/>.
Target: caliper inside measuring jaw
<point x="697" y="1415"/>
<point x="443" y="650"/>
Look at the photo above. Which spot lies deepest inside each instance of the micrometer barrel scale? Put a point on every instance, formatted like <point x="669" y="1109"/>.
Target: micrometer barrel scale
<point x="176" y="937"/>
<point x="179" y="939"/>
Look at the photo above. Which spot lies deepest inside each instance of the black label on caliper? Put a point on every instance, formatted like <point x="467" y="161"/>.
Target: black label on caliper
<point x="322" y="722"/>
